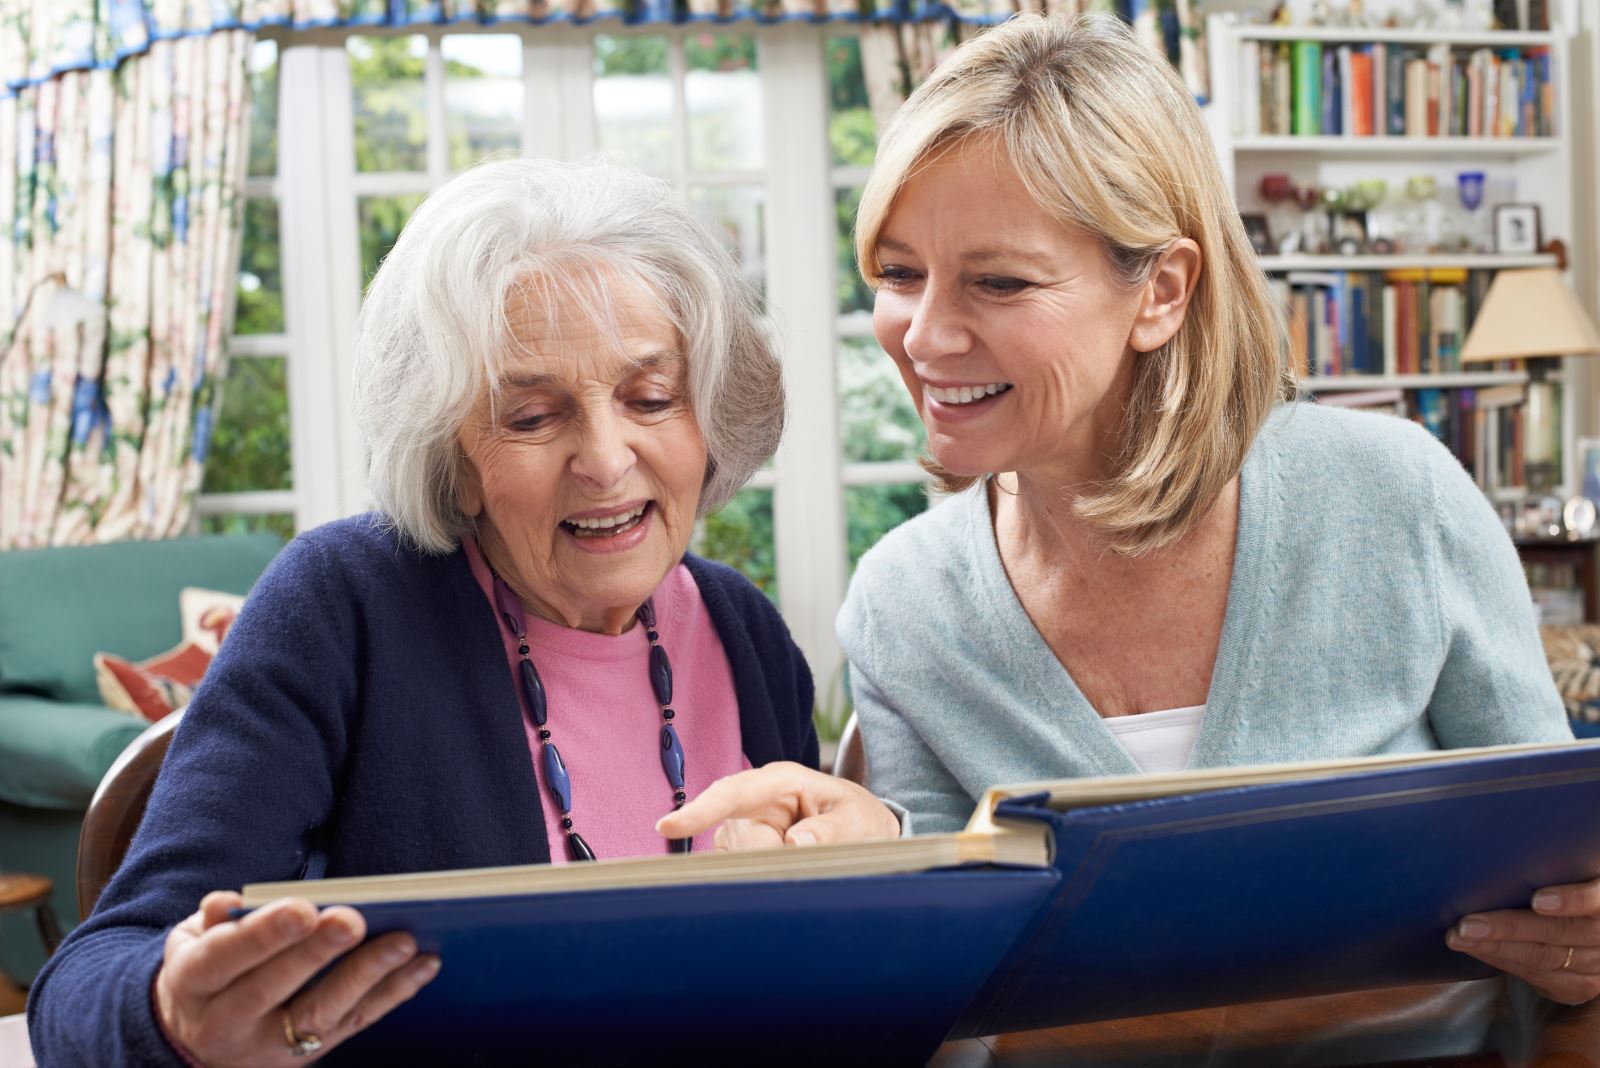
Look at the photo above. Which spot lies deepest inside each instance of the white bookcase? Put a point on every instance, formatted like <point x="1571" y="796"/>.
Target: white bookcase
<point x="1532" y="169"/>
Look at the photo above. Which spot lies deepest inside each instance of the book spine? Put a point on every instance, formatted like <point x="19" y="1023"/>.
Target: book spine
<point x="1394" y="81"/>
<point x="1299" y="328"/>
<point x="1359" y="90"/>
<point x="1391" y="350"/>
<point x="1424" y="327"/>
<point x="1475" y="96"/>
<point x="1507" y="101"/>
<point x="1379" y="99"/>
<point x="1345" y="73"/>
<point x="1247" y="119"/>
<point x="1416" y="98"/>
<point x="1330" y="93"/>
<point x="1307" y="88"/>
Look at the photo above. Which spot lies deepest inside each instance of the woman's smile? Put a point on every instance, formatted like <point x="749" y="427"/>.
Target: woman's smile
<point x="610" y="530"/>
<point x="949" y="404"/>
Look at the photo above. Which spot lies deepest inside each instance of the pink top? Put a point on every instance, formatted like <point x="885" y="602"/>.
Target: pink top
<point x="607" y="723"/>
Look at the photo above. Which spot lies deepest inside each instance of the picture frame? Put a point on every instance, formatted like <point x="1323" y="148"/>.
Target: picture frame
<point x="1516" y="228"/>
<point x="1259" y="233"/>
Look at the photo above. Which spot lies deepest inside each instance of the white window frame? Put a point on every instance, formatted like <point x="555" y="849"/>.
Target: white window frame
<point x="317" y="189"/>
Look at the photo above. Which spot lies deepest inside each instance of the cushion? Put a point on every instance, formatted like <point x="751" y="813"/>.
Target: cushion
<point x="62" y="606"/>
<point x="54" y="753"/>
<point x="153" y="688"/>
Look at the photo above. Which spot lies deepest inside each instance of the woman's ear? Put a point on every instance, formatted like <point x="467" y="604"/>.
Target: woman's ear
<point x="1166" y="296"/>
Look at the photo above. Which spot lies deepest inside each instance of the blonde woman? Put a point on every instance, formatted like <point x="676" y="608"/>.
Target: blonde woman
<point x="1150" y="562"/>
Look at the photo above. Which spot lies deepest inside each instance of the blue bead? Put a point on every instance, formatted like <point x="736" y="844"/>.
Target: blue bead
<point x="647" y="613"/>
<point x="672" y="756"/>
<point x="556" y="777"/>
<point x="680" y="845"/>
<point x="533" y="690"/>
<point x="661" y="674"/>
<point x="577" y="848"/>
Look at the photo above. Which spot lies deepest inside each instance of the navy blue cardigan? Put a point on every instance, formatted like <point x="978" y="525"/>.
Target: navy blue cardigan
<point x="359" y="720"/>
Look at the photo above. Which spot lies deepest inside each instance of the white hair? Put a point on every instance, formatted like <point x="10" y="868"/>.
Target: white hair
<point x="433" y="331"/>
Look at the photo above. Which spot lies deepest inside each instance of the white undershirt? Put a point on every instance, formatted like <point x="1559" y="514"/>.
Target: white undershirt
<point x="1159" y="741"/>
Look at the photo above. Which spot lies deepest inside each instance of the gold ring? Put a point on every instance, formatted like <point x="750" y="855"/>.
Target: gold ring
<point x="299" y="1045"/>
<point x="1568" y="962"/>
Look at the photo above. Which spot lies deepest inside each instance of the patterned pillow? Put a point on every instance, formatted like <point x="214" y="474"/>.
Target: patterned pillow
<point x="152" y="688"/>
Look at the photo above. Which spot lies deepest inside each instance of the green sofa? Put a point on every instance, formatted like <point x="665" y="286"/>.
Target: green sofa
<point x="58" y="607"/>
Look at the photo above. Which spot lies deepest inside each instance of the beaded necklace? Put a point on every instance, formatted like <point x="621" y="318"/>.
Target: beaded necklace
<point x="556" y="777"/>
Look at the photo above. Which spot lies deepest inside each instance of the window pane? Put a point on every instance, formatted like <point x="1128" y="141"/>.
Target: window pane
<point x="250" y="441"/>
<point x="381" y="219"/>
<point x="260" y="291"/>
<point x="391" y="120"/>
<point x="633" y="100"/>
<point x="873" y="511"/>
<point x="876" y="416"/>
<point x="736" y="214"/>
<point x="851" y="132"/>
<point x="264" y="108"/>
<point x="482" y="96"/>
<point x="722" y="91"/>
<point x="279" y="523"/>
<point x="854" y="294"/>
<point x="741" y="536"/>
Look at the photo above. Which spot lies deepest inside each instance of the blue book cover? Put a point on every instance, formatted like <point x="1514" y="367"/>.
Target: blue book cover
<point x="1153" y="894"/>
<point x="1289" y="889"/>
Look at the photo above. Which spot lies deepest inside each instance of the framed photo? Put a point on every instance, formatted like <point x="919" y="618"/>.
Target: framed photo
<point x="1589" y="468"/>
<point x="1516" y="228"/>
<point x="1260" y="235"/>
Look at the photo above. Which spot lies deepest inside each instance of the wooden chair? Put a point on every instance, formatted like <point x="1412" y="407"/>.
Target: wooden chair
<point x="117" y="807"/>
<point x="850" y="762"/>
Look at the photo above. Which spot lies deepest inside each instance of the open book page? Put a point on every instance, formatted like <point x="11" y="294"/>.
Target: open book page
<point x="1067" y="794"/>
<point x="1021" y="845"/>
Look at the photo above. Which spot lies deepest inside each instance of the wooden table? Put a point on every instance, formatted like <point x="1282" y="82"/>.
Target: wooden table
<point x="1460" y="1025"/>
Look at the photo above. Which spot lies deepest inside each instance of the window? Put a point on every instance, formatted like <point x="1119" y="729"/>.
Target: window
<point x="249" y="473"/>
<point x="881" y="434"/>
<point x="766" y="132"/>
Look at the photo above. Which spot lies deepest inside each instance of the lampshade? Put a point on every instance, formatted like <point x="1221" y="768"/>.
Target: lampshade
<point x="1530" y="313"/>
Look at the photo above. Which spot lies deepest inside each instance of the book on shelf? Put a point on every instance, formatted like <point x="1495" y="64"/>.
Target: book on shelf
<point x="1059" y="902"/>
<point x="1404" y="321"/>
<point x="1384" y="88"/>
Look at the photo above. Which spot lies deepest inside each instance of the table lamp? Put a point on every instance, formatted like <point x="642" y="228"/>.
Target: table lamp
<point x="1532" y="315"/>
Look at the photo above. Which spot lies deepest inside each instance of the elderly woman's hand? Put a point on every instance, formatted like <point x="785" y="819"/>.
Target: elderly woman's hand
<point x="1555" y="946"/>
<point x="226" y="991"/>
<point x="783" y="804"/>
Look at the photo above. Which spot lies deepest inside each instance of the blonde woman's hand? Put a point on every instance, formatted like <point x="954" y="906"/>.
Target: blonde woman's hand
<point x="225" y="985"/>
<point x="1555" y="946"/>
<point x="783" y="804"/>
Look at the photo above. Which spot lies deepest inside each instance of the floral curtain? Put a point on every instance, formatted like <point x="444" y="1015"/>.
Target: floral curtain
<point x="120" y="182"/>
<point x="897" y="55"/>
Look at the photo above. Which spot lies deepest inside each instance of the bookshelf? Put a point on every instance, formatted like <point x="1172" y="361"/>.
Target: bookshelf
<point x="1355" y="382"/>
<point x="1359" y="148"/>
<point x="1525" y="160"/>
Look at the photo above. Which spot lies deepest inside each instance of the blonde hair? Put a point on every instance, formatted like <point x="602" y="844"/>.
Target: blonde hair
<point x="1109" y="142"/>
<point x="433" y="331"/>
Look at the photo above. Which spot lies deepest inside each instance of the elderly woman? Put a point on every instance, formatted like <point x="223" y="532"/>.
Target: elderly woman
<point x="558" y="371"/>
<point x="1148" y="562"/>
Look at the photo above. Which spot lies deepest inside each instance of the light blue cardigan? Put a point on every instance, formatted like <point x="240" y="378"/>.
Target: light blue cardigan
<point x="1376" y="606"/>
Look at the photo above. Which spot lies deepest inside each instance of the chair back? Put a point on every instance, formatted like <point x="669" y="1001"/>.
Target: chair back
<point x="117" y="807"/>
<point x="850" y="762"/>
